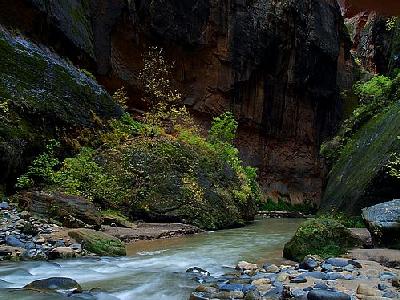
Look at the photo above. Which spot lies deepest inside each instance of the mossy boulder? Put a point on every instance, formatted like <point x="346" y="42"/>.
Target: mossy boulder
<point x="54" y="283"/>
<point x="323" y="237"/>
<point x="98" y="242"/>
<point x="165" y="179"/>
<point x="70" y="211"/>
<point x="42" y="96"/>
<point x="359" y="178"/>
<point x="171" y="180"/>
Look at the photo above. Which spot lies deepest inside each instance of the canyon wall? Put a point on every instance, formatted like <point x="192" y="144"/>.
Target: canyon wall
<point x="273" y="62"/>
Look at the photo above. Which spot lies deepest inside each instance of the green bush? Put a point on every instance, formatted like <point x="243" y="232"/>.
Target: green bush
<point x="322" y="236"/>
<point x="223" y="129"/>
<point x="186" y="178"/>
<point x="393" y="167"/>
<point x="344" y="219"/>
<point x="41" y="171"/>
<point x="374" y="96"/>
<point x="281" y="205"/>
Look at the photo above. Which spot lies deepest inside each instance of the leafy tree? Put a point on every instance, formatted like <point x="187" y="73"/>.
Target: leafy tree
<point x="223" y="128"/>
<point x="165" y="101"/>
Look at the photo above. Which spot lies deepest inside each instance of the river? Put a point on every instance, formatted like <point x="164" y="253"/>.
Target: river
<point x="154" y="270"/>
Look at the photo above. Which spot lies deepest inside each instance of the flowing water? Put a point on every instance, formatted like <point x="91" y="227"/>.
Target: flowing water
<point x="154" y="269"/>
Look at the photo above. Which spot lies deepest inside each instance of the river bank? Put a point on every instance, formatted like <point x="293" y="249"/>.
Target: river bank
<point x="24" y="236"/>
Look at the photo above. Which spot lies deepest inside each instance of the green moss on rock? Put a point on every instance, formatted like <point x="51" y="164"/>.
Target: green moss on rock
<point x="98" y="242"/>
<point x="362" y="162"/>
<point x="323" y="237"/>
<point x="45" y="97"/>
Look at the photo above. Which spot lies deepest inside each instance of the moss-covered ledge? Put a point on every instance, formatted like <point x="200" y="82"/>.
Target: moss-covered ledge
<point x="42" y="96"/>
<point x="357" y="176"/>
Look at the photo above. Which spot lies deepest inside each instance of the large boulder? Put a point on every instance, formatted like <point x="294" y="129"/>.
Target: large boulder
<point x="383" y="221"/>
<point x="323" y="237"/>
<point x="98" y="242"/>
<point x="359" y="178"/>
<point x="42" y="96"/>
<point x="71" y="211"/>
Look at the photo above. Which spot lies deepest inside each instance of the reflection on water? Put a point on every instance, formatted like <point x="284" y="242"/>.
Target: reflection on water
<point x="156" y="269"/>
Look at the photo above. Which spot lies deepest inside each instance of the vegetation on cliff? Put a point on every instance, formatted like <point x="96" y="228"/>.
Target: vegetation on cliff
<point x="365" y="151"/>
<point x="161" y="169"/>
<point x="42" y="96"/>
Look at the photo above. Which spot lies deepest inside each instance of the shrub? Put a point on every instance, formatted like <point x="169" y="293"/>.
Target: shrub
<point x="41" y="171"/>
<point x="393" y="167"/>
<point x="223" y="129"/>
<point x="344" y="219"/>
<point x="281" y="205"/>
<point x="374" y="96"/>
<point x="121" y="97"/>
<point x="165" y="101"/>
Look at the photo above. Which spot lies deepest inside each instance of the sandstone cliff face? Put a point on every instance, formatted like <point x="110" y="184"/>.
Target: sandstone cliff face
<point x="274" y="63"/>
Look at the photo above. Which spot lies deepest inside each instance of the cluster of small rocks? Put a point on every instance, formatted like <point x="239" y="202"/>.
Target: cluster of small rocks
<point x="313" y="279"/>
<point x="23" y="236"/>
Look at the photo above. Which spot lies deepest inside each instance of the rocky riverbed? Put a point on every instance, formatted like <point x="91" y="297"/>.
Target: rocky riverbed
<point x="25" y="236"/>
<point x="313" y="279"/>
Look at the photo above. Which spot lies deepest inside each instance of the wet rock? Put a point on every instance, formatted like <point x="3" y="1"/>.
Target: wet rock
<point x="54" y="283"/>
<point x="76" y="247"/>
<point x="61" y="252"/>
<point x="228" y="295"/>
<point x="298" y="294"/>
<point x="327" y="295"/>
<point x="34" y="254"/>
<point x="237" y="287"/>
<point x="391" y="294"/>
<point x="326" y="267"/>
<point x="299" y="279"/>
<point x="382" y="286"/>
<point x="316" y="275"/>
<point x="25" y="215"/>
<point x="253" y="295"/>
<point x="244" y="265"/>
<point x="4" y="205"/>
<point x="199" y="271"/>
<point x="14" y="242"/>
<point x="396" y="282"/>
<point x="386" y="276"/>
<point x="282" y="277"/>
<point x="321" y="286"/>
<point x="349" y="268"/>
<point x="365" y="290"/>
<point x="71" y="211"/>
<point x="309" y="263"/>
<point x="262" y="284"/>
<point x="363" y="235"/>
<point x="198" y="296"/>
<point x="383" y="223"/>
<point x="272" y="269"/>
<point x="337" y="262"/>
<point x="206" y="289"/>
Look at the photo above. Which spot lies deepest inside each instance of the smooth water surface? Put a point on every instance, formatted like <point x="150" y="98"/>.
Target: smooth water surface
<point x="155" y="270"/>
